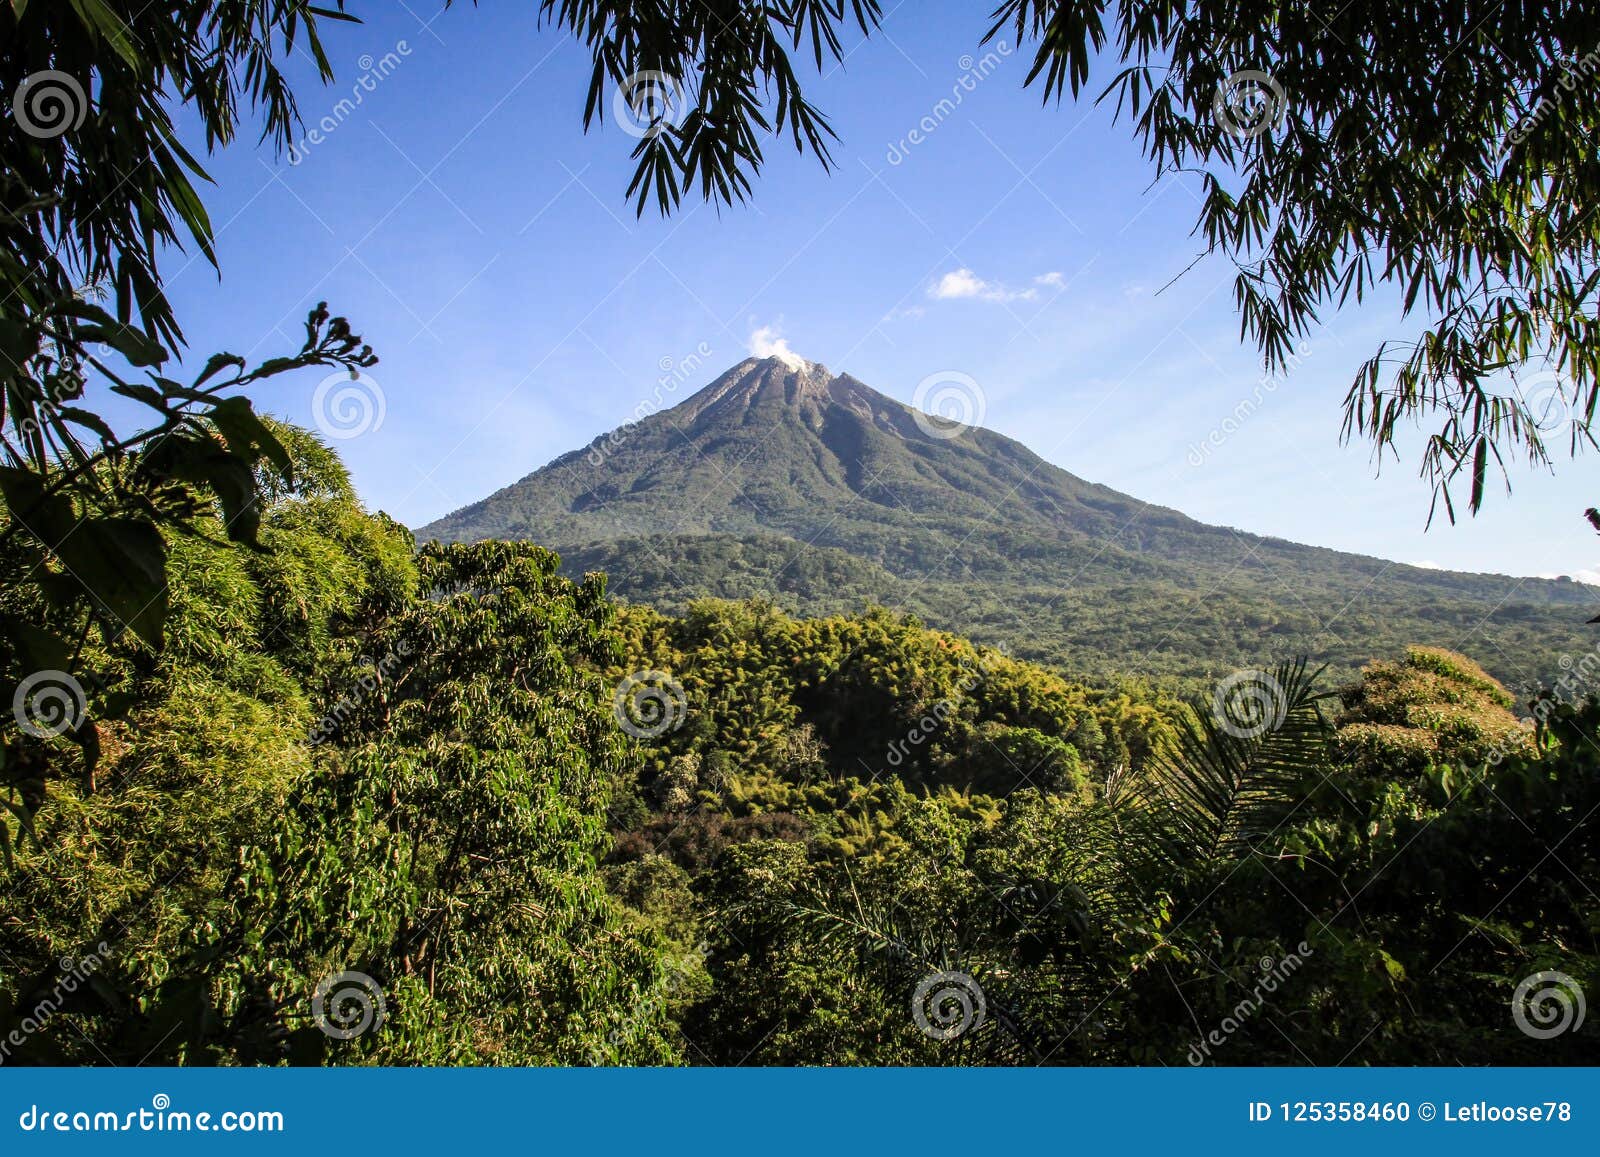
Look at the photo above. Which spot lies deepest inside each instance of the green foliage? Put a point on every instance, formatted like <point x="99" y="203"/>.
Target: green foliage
<point x="139" y="855"/>
<point x="93" y="185"/>
<point x="705" y="83"/>
<point x="1412" y="157"/>
<point x="456" y="826"/>
<point x="414" y="777"/>
<point x="1017" y="757"/>
<point x="400" y="769"/>
<point x="1239" y="764"/>
<point x="1345" y="927"/>
<point x="299" y="752"/>
<point x="1435" y="710"/>
<point x="783" y="710"/>
<point x="95" y="194"/>
<point x="87" y="533"/>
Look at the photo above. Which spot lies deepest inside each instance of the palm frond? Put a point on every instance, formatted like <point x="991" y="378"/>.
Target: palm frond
<point x="1242" y="763"/>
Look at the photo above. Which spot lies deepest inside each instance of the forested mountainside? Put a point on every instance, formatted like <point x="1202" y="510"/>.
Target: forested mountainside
<point x="814" y="490"/>
<point x="374" y="805"/>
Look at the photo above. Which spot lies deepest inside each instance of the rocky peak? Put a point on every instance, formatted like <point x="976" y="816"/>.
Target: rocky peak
<point x="758" y="381"/>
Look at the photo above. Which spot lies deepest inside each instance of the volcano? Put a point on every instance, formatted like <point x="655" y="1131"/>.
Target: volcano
<point x="783" y="480"/>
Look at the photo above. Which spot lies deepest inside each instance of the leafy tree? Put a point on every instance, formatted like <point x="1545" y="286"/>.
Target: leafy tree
<point x="92" y="177"/>
<point x="705" y="82"/>
<point x="1009" y="758"/>
<point x="87" y="534"/>
<point x="1245" y="905"/>
<point x="197" y="768"/>
<point x="93" y="185"/>
<point x="454" y="831"/>
<point x="1438" y="153"/>
<point x="1239" y="764"/>
<point x="1433" y="711"/>
<point x="300" y="750"/>
<point x="349" y="760"/>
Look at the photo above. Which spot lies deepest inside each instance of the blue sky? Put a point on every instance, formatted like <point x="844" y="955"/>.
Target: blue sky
<point x="481" y="242"/>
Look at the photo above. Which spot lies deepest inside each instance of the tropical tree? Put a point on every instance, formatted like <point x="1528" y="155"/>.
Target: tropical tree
<point x="94" y="185"/>
<point x="444" y="849"/>
<point x="353" y="814"/>
<point x="137" y="852"/>
<point x="1247" y="898"/>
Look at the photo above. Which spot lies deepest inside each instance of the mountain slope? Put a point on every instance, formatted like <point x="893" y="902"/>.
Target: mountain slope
<point x="819" y="491"/>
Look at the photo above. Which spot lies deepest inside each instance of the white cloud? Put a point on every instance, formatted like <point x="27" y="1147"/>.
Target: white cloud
<point x="767" y="343"/>
<point x="963" y="283"/>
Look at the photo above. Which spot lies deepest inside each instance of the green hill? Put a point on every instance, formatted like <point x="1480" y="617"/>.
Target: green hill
<point x="825" y="495"/>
